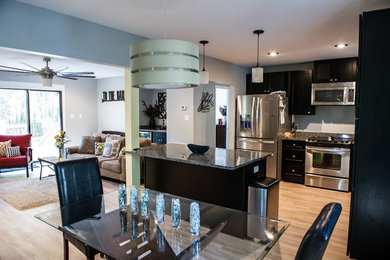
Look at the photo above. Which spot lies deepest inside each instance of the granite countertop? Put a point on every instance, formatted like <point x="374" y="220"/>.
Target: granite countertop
<point x="154" y="129"/>
<point x="303" y="135"/>
<point x="228" y="159"/>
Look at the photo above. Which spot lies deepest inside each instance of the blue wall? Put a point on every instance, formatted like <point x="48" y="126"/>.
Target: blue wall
<point x="31" y="28"/>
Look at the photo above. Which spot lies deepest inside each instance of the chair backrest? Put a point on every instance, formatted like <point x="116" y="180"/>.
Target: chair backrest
<point x="22" y="141"/>
<point x="78" y="180"/>
<point x="316" y="239"/>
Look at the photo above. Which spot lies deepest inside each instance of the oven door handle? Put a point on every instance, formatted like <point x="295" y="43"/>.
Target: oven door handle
<point x="319" y="150"/>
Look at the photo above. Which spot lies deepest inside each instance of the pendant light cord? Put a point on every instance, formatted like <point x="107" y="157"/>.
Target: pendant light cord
<point x="258" y="47"/>
<point x="165" y="19"/>
<point x="204" y="56"/>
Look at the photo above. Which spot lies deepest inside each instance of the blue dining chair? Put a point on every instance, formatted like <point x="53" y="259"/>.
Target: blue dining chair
<point x="316" y="239"/>
<point x="78" y="180"/>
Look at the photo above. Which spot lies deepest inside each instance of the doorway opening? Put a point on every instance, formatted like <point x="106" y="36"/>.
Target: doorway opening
<point x="221" y="116"/>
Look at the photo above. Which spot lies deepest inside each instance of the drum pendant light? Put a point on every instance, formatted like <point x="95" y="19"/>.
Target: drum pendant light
<point x="164" y="63"/>
<point x="257" y="72"/>
<point x="204" y="75"/>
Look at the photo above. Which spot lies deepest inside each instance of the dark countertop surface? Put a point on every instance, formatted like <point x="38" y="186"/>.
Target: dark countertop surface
<point x="229" y="159"/>
<point x="157" y="128"/>
<point x="303" y="135"/>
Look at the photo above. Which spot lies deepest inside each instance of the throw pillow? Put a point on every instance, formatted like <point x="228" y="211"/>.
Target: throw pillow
<point x="122" y="152"/>
<point x="87" y="145"/>
<point x="12" y="151"/>
<point x="99" y="148"/>
<point x="107" y="150"/>
<point x="115" y="148"/>
<point x="112" y="138"/>
<point x="3" y="145"/>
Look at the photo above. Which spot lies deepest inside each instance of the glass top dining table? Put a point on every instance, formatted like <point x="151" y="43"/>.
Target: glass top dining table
<point x="224" y="233"/>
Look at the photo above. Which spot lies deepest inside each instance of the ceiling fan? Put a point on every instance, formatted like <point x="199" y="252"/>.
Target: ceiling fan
<point x="47" y="73"/>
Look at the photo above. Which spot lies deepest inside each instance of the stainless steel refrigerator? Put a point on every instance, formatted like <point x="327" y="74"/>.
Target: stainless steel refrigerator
<point x="261" y="121"/>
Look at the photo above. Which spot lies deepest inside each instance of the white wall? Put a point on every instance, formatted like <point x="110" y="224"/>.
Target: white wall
<point x="79" y="102"/>
<point x="220" y="72"/>
<point x="180" y="124"/>
<point x="204" y="123"/>
<point x="329" y="119"/>
<point x="111" y="115"/>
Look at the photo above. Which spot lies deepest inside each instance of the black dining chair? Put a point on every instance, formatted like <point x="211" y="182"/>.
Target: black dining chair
<point x="78" y="180"/>
<point x="316" y="239"/>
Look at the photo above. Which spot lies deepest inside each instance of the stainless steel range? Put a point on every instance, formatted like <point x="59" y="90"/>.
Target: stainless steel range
<point x="327" y="162"/>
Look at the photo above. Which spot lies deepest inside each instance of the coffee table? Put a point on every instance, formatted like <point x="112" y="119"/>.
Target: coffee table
<point x="48" y="161"/>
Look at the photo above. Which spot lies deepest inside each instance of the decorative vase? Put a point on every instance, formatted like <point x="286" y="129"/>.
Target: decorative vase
<point x="152" y="122"/>
<point x="59" y="155"/>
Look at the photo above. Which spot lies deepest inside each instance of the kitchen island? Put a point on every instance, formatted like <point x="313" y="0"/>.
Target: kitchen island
<point x="220" y="176"/>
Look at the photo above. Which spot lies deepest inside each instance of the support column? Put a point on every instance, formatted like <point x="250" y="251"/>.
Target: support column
<point x="131" y="130"/>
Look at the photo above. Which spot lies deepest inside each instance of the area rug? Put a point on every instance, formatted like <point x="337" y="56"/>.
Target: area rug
<point x="29" y="193"/>
<point x="32" y="192"/>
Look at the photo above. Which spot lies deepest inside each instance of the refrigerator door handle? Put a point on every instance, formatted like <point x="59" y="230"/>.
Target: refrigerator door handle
<point x="253" y="122"/>
<point x="256" y="141"/>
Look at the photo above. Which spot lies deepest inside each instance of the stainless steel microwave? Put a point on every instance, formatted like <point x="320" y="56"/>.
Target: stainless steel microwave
<point x="333" y="94"/>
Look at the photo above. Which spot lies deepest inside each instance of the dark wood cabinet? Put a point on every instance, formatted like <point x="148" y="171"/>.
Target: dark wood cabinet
<point x="336" y="70"/>
<point x="220" y="136"/>
<point x="273" y="81"/>
<point x="370" y="207"/>
<point x="293" y="161"/>
<point x="300" y="93"/>
<point x="159" y="137"/>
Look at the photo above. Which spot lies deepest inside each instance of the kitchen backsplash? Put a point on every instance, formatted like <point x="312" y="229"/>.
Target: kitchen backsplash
<point x="329" y="119"/>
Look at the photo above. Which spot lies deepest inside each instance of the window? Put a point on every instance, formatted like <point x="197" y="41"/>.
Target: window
<point x="13" y="112"/>
<point x="32" y="111"/>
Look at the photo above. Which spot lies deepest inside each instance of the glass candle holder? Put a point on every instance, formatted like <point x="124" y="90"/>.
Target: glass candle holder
<point x="194" y="218"/>
<point x="145" y="211"/>
<point x="175" y="214"/>
<point x="122" y="197"/>
<point x="160" y="208"/>
<point x="123" y="217"/>
<point x="134" y="200"/>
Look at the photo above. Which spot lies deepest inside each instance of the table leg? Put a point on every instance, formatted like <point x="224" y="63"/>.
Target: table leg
<point x="40" y="174"/>
<point x="66" y="249"/>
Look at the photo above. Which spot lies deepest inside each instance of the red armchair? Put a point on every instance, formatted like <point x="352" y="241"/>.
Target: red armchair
<point x="24" y="141"/>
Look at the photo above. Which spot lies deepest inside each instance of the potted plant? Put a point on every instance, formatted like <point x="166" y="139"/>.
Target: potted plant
<point x="61" y="140"/>
<point x="151" y="112"/>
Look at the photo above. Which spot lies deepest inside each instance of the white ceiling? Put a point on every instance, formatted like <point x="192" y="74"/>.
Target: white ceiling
<point x="300" y="30"/>
<point x="12" y="58"/>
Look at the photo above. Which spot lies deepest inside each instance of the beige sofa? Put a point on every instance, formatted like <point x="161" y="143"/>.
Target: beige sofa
<point x="111" y="167"/>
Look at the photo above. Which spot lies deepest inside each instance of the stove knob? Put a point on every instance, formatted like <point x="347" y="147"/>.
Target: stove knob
<point x="293" y="156"/>
<point x="293" y="170"/>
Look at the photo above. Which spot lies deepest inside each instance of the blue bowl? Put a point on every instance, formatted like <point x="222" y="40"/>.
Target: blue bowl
<point x="199" y="149"/>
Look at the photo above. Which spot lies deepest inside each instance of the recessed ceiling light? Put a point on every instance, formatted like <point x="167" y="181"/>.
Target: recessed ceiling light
<point x="340" y="46"/>
<point x="274" y="53"/>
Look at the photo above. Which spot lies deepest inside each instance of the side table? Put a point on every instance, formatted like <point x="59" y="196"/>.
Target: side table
<point x="48" y="162"/>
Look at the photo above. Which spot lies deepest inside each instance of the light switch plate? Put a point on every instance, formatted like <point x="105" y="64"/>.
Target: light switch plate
<point x="186" y="117"/>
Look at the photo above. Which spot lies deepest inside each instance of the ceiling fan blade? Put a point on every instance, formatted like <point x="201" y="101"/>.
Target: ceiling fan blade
<point x="60" y="68"/>
<point x="67" y="77"/>
<point x="28" y="65"/>
<point x="82" y="76"/>
<point x="77" y="73"/>
<point x="17" y="69"/>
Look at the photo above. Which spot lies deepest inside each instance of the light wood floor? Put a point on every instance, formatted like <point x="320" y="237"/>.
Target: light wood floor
<point x="300" y="205"/>
<point x="22" y="236"/>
